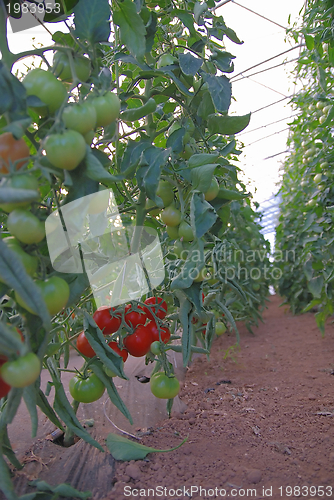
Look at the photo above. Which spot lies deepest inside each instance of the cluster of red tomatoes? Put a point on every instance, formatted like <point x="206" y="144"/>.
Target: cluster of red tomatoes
<point x="137" y="343"/>
<point x="147" y="334"/>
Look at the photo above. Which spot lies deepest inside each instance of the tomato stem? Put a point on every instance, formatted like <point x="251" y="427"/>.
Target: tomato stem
<point x="69" y="434"/>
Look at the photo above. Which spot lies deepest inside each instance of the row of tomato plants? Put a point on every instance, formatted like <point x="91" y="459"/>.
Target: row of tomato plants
<point x="146" y="116"/>
<point x="305" y="230"/>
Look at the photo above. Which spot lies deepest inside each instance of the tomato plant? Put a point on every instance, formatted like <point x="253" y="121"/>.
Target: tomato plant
<point x="107" y="320"/>
<point x="12" y="151"/>
<point x="86" y="389"/>
<point x="164" y="387"/>
<point x="138" y="113"/>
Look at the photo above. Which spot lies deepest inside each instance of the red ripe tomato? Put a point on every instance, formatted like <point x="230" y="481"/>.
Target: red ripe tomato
<point x="84" y="346"/>
<point x="122" y="352"/>
<point x="160" y="310"/>
<point x="4" y="388"/>
<point x="164" y="332"/>
<point x="12" y="150"/>
<point x="139" y="342"/>
<point x="134" y="318"/>
<point x="106" y="320"/>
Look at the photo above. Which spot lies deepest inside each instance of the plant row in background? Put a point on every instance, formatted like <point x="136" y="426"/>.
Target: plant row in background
<point x="305" y="232"/>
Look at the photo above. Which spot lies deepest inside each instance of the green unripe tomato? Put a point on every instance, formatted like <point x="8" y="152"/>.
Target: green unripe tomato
<point x="324" y="165"/>
<point x="201" y="275"/>
<point x="150" y="204"/>
<point x="62" y="68"/>
<point x="164" y="387"/>
<point x="256" y="287"/>
<point x="185" y="231"/>
<point x="179" y="250"/>
<point x="311" y="203"/>
<point x="317" y="178"/>
<point x="213" y="190"/>
<point x="320" y="105"/>
<point x="80" y="117"/>
<point x="165" y="60"/>
<point x="55" y="291"/>
<point x="220" y="328"/>
<point x="65" y="150"/>
<point x="25" y="226"/>
<point x="327" y="109"/>
<point x="22" y="371"/>
<point x="165" y="192"/>
<point x="86" y="390"/>
<point x="19" y="181"/>
<point x="45" y="85"/>
<point x="156" y="348"/>
<point x="322" y="119"/>
<point x="173" y="232"/>
<point x="171" y="216"/>
<point x="107" y="108"/>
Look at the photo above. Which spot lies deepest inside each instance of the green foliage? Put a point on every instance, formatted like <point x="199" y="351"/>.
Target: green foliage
<point x="167" y="69"/>
<point x="305" y="232"/>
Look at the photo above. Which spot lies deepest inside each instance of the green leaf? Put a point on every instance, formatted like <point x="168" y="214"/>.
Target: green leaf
<point x="175" y="140"/>
<point x="202" y="215"/>
<point x="308" y="269"/>
<point x="95" y="169"/>
<point x="311" y="305"/>
<point x="122" y="448"/>
<point x="12" y="95"/>
<point x="132" y="28"/>
<point x="61" y="11"/>
<point x="186" y="18"/>
<point x="15" y="275"/>
<point x="202" y="176"/>
<point x="320" y="318"/>
<point x="18" y="127"/>
<point x="12" y="195"/>
<point x="199" y="8"/>
<point x="115" y="398"/>
<point x="148" y="173"/>
<point x="189" y="64"/>
<point x="131" y="157"/>
<point x="220" y="90"/>
<point x="29" y="396"/>
<point x="315" y="286"/>
<point x="9" y="343"/>
<point x="231" y="34"/>
<point x="184" y="316"/>
<point x="44" y="405"/>
<point x="6" y="485"/>
<point x="64" y="409"/>
<point x="223" y="61"/>
<point x="309" y="40"/>
<point x="8" y="451"/>
<point x="91" y="19"/>
<point x="199" y="159"/>
<point x="227" y="125"/>
<point x="61" y="490"/>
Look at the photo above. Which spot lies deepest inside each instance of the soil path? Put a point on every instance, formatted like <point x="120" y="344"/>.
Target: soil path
<point x="262" y="418"/>
<point x="259" y="421"/>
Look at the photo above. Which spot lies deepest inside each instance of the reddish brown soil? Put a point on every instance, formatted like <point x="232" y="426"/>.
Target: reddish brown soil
<point x="262" y="418"/>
